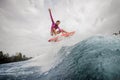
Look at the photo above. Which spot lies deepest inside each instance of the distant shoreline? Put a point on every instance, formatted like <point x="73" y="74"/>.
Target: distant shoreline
<point x="5" y="58"/>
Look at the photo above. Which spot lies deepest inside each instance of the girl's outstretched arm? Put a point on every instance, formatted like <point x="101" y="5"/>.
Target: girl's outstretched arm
<point x="51" y="15"/>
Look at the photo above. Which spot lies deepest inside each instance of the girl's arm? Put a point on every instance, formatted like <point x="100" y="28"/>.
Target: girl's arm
<point x="51" y="15"/>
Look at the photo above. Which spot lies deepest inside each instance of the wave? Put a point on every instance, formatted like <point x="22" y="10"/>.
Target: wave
<point x="96" y="58"/>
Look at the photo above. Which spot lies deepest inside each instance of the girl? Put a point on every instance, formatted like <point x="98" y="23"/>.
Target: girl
<point x="54" y="26"/>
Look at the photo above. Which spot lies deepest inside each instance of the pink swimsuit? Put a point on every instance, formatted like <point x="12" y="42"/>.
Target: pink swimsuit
<point x="53" y="23"/>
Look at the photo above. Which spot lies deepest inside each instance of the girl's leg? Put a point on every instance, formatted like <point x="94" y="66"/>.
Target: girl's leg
<point x="63" y="31"/>
<point x="54" y="32"/>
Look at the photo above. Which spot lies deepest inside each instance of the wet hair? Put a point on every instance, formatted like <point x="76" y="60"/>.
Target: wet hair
<point x="57" y="21"/>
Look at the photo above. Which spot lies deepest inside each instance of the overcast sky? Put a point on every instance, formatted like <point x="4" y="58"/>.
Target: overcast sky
<point x="25" y="24"/>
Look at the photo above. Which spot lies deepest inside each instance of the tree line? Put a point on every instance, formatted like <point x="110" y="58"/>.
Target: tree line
<point x="117" y="33"/>
<point x="6" y="58"/>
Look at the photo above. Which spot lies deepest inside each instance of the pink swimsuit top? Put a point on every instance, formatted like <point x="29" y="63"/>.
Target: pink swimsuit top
<point x="53" y="23"/>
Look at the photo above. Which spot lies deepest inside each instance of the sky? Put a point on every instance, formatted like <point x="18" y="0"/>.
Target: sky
<point x="25" y="24"/>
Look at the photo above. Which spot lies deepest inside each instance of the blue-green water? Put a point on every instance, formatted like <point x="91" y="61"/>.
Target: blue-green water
<point x="96" y="58"/>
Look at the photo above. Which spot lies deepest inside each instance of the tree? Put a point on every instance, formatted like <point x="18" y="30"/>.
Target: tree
<point x="5" y="58"/>
<point x="6" y="55"/>
<point x="1" y="54"/>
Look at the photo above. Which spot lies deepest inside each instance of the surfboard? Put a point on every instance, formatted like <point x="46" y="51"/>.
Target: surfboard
<point x="61" y="37"/>
<point x="54" y="39"/>
<point x="68" y="34"/>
